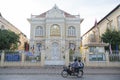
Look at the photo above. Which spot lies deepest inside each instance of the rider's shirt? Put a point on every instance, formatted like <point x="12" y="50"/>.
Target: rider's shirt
<point x="80" y="64"/>
<point x="75" y="65"/>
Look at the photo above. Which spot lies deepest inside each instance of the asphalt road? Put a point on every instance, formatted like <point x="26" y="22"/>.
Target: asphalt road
<point x="53" y="73"/>
<point x="58" y="77"/>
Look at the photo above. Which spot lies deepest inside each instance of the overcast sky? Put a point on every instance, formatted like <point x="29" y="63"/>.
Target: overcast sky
<point x="17" y="11"/>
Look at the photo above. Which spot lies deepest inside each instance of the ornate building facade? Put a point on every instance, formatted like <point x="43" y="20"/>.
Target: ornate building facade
<point x="54" y="31"/>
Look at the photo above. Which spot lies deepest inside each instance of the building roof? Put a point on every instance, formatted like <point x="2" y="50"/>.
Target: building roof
<point x="8" y="23"/>
<point x="103" y="18"/>
<point x="55" y="7"/>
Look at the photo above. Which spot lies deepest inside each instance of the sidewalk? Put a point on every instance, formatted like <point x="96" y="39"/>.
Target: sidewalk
<point x="56" y="70"/>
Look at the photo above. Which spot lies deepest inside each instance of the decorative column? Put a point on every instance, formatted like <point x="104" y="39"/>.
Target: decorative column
<point x="23" y="58"/>
<point x="42" y="57"/>
<point x="67" y="57"/>
<point x="87" y="59"/>
<point x="2" y="58"/>
<point x="107" y="58"/>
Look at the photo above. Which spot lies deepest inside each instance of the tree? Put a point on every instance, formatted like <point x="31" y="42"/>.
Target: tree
<point x="112" y="37"/>
<point x="8" y="40"/>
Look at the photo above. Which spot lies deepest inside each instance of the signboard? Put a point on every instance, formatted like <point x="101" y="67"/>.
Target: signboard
<point x="12" y="57"/>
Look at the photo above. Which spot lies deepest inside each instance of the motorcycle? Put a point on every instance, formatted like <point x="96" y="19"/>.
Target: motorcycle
<point x="72" y="72"/>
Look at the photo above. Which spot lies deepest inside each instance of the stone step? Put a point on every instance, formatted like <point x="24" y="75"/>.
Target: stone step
<point x="53" y="62"/>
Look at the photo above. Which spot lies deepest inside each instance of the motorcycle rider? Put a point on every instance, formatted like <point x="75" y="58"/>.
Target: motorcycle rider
<point x="80" y="64"/>
<point x="73" y="69"/>
<point x="75" y="66"/>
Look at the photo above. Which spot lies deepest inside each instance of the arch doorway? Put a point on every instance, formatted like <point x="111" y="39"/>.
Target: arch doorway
<point x="55" y="51"/>
<point x="55" y="55"/>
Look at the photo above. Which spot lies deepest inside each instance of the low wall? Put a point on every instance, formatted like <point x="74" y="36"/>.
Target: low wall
<point x="19" y="64"/>
<point x="24" y="63"/>
<point x="106" y="61"/>
<point x="102" y="64"/>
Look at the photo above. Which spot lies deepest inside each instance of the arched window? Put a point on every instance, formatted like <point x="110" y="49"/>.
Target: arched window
<point x="55" y="30"/>
<point x="39" y="31"/>
<point x="71" y="31"/>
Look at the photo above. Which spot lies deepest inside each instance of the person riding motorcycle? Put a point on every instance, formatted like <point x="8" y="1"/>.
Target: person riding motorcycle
<point x="75" y="66"/>
<point x="73" y="70"/>
<point x="80" y="64"/>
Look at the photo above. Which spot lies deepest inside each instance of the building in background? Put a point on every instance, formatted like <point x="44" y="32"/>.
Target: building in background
<point x="4" y="24"/>
<point x="91" y="40"/>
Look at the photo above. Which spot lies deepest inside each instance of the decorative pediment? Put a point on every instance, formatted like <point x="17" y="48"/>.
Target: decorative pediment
<point x="55" y="12"/>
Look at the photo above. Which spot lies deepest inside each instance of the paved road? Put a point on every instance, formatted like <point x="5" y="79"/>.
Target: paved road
<point x="53" y="73"/>
<point x="58" y="77"/>
<point x="57" y="70"/>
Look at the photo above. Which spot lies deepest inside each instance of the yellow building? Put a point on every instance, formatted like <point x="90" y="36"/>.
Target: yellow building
<point x="4" y="24"/>
<point x="91" y="40"/>
<point x="111" y="21"/>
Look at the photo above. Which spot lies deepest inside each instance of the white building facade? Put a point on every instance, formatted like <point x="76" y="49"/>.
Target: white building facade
<point x="54" y="31"/>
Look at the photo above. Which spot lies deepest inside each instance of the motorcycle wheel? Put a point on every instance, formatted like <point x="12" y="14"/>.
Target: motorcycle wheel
<point x="80" y="74"/>
<point x="64" y="74"/>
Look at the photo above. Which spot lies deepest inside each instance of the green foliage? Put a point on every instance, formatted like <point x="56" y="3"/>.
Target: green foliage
<point x="8" y="40"/>
<point x="107" y="37"/>
<point x="112" y="37"/>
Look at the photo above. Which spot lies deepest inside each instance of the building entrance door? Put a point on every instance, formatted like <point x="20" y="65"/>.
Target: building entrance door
<point x="55" y="52"/>
<point x="55" y="55"/>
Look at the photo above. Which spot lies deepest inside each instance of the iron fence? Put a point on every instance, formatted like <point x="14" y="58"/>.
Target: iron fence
<point x="11" y="56"/>
<point x="114" y="57"/>
<point x="0" y="56"/>
<point x="16" y="56"/>
<point x="31" y="57"/>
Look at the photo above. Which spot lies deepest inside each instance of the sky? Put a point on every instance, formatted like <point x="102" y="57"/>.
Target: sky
<point x="18" y="11"/>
